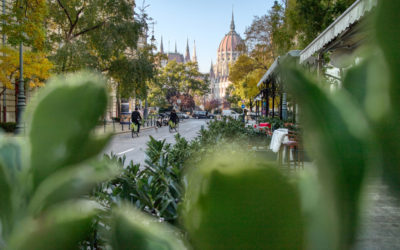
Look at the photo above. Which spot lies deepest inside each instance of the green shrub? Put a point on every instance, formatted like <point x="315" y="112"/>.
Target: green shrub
<point x="156" y="187"/>
<point x="8" y="127"/>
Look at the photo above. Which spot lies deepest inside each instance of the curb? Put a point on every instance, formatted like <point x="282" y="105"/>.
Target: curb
<point x="128" y="131"/>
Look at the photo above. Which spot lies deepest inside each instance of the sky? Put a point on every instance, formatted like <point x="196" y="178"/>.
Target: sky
<point x="205" y="21"/>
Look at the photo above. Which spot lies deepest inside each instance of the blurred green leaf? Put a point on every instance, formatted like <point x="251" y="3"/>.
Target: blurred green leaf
<point x="10" y="166"/>
<point x="10" y="156"/>
<point x="232" y="202"/>
<point x="61" y="228"/>
<point x="319" y="212"/>
<point x="336" y="133"/>
<point x="388" y="129"/>
<point x="67" y="111"/>
<point x="132" y="229"/>
<point x="5" y="198"/>
<point x="71" y="184"/>
<point x="388" y="36"/>
<point x="355" y="82"/>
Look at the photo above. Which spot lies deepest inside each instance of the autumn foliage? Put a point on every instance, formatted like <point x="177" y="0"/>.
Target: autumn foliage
<point x="36" y="67"/>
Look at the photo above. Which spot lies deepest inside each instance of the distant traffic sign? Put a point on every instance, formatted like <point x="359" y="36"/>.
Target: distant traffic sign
<point x="243" y="106"/>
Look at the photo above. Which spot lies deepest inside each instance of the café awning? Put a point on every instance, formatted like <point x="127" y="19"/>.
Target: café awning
<point x="275" y="64"/>
<point x="269" y="72"/>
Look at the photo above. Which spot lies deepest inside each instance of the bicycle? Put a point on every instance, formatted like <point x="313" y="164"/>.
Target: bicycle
<point x="173" y="126"/>
<point x="134" y="129"/>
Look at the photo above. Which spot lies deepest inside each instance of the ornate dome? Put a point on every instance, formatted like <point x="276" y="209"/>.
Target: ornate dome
<point x="231" y="40"/>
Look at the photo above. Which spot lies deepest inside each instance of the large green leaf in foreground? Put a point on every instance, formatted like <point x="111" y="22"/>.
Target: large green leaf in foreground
<point x="62" y="227"/>
<point x="335" y="131"/>
<point x="233" y="203"/>
<point x="132" y="229"/>
<point x="388" y="129"/>
<point x="62" y="120"/>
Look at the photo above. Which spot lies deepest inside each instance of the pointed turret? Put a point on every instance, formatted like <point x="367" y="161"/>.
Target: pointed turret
<point x="187" y="55"/>
<point x="212" y="75"/>
<point x="232" y="22"/>
<point x="161" y="46"/>
<point x="194" y="59"/>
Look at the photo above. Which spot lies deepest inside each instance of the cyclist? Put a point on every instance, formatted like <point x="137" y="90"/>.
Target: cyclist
<point x="136" y="118"/>
<point x="173" y="117"/>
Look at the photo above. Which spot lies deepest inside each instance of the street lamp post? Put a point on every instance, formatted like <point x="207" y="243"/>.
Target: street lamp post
<point x="4" y="54"/>
<point x="21" y="90"/>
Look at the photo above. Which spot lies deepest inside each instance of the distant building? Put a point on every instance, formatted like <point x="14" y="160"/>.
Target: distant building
<point x="178" y="57"/>
<point x="227" y="54"/>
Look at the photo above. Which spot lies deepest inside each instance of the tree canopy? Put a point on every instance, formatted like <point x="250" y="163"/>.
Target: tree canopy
<point x="91" y="33"/>
<point x="289" y="24"/>
<point x="175" y="80"/>
<point x="102" y="35"/>
<point x="36" y="67"/>
<point x="307" y="18"/>
<point x="24" y="22"/>
<point x="244" y="75"/>
<point x="134" y="73"/>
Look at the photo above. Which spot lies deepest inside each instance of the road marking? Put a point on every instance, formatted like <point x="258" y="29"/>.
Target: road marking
<point x="126" y="151"/>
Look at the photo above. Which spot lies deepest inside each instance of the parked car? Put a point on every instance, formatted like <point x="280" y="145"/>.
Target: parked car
<point x="230" y="113"/>
<point x="200" y="114"/>
<point x="182" y="115"/>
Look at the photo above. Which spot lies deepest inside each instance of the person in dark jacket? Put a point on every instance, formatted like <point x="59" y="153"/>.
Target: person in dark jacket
<point x="174" y="117"/>
<point x="136" y="118"/>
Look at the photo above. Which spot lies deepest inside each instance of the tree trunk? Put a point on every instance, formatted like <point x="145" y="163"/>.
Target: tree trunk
<point x="146" y="111"/>
<point x="273" y="100"/>
<point x="118" y="108"/>
<point x="5" y="104"/>
<point x="280" y="107"/>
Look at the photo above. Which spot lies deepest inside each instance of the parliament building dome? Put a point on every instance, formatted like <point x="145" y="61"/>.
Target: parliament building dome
<point x="231" y="40"/>
<point x="227" y="53"/>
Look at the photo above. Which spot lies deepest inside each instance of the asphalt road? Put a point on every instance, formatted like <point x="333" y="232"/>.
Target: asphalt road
<point x="134" y="148"/>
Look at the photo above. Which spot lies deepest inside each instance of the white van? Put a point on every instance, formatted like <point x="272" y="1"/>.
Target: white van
<point x="230" y="113"/>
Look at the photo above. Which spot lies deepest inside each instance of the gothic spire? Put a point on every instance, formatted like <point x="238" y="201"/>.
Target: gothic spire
<point x="194" y="52"/>
<point x="232" y="22"/>
<point x="187" y="55"/>
<point x="176" y="49"/>
<point x="162" y="46"/>
<point x="212" y="70"/>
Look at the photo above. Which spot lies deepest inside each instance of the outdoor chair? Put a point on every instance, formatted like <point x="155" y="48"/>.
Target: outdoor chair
<point x="292" y="147"/>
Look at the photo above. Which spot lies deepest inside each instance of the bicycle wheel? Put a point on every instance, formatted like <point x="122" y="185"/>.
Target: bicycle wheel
<point x="170" y="128"/>
<point x="134" y="130"/>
